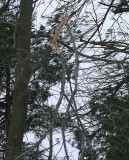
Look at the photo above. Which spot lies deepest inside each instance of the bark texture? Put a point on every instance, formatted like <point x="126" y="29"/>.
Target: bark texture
<point x="18" y="119"/>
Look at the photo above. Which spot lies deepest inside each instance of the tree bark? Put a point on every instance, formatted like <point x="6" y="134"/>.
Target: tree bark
<point x="18" y="119"/>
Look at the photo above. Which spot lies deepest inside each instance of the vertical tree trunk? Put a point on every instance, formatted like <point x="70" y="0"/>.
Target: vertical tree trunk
<point x="18" y="119"/>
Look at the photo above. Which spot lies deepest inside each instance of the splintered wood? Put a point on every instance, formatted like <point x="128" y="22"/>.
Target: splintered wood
<point x="53" y="40"/>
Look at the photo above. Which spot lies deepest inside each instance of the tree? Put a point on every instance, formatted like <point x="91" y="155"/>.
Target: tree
<point x="87" y="63"/>
<point x="109" y="98"/>
<point x="23" y="74"/>
<point x="18" y="119"/>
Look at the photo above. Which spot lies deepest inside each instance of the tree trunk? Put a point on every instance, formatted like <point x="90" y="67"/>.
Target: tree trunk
<point x="18" y="119"/>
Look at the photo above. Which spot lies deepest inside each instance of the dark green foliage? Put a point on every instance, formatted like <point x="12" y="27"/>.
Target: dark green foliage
<point x="7" y="51"/>
<point x="80" y="141"/>
<point x="112" y="117"/>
